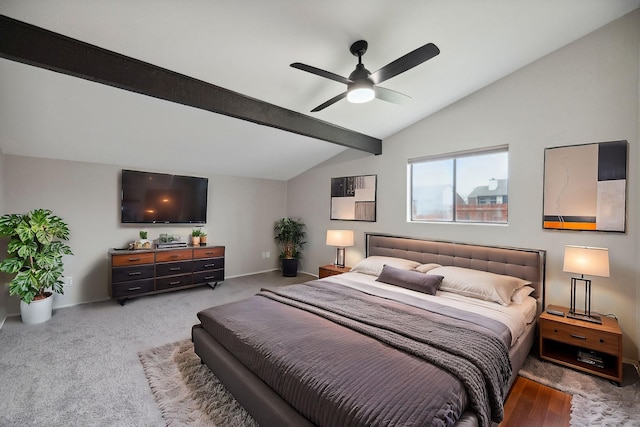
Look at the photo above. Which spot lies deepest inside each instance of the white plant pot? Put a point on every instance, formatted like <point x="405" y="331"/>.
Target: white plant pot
<point x="38" y="311"/>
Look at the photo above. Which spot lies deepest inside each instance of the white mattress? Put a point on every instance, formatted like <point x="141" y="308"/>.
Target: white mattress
<point x="515" y="316"/>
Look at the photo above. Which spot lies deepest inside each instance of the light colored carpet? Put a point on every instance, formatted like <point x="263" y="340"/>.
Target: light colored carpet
<point x="81" y="368"/>
<point x="188" y="393"/>
<point x="595" y="401"/>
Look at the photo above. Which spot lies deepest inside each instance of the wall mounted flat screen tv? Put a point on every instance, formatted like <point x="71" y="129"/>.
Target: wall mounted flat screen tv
<point x="149" y="197"/>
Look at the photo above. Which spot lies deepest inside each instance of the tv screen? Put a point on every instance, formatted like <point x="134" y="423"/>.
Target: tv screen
<point x="162" y="198"/>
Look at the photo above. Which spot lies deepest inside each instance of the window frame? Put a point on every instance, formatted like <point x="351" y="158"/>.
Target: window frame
<point x="454" y="156"/>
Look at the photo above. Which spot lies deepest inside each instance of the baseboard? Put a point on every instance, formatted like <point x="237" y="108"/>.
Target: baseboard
<point x="266" y="271"/>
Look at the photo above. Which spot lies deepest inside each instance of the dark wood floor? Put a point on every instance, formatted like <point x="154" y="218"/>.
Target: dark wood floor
<point x="530" y="404"/>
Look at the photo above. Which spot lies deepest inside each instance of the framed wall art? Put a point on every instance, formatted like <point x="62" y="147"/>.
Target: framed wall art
<point x="353" y="198"/>
<point x="585" y="187"/>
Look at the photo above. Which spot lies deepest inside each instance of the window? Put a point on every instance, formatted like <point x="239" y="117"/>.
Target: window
<point x="460" y="187"/>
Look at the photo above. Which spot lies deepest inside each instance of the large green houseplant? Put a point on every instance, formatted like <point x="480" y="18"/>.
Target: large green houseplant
<point x="290" y="235"/>
<point x="35" y="252"/>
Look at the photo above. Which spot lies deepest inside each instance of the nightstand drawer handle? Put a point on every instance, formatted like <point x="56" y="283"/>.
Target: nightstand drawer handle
<point x="580" y="337"/>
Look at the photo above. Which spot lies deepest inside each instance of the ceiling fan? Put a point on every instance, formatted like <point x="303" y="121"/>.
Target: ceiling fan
<point x="362" y="85"/>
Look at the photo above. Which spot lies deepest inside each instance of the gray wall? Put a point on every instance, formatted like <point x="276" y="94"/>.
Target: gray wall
<point x="586" y="92"/>
<point x="4" y="290"/>
<point x="241" y="214"/>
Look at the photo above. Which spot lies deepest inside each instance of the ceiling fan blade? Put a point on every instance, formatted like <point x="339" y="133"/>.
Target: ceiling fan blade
<point x="321" y="73"/>
<point x="391" y="95"/>
<point x="405" y="63"/>
<point x="329" y="102"/>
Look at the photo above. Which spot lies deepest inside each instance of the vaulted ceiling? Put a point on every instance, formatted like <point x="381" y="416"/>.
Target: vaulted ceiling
<point x="247" y="47"/>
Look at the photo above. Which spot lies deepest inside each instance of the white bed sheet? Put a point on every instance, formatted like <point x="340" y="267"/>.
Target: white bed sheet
<point x="514" y="316"/>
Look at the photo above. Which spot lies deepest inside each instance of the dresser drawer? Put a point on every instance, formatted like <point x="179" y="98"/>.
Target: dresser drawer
<point x="132" y="259"/>
<point x="173" y="268"/>
<point x="212" y="252"/>
<point x="119" y="290"/>
<point x="136" y="272"/>
<point x="179" y="255"/>
<point x="173" y="282"/>
<point x="208" y="276"/>
<point x="208" y="264"/>
<point x="581" y="337"/>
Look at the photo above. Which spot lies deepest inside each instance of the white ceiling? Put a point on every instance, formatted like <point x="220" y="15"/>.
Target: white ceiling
<point x="247" y="46"/>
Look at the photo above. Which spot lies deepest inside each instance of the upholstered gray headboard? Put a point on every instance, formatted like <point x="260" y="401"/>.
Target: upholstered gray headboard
<point x="528" y="264"/>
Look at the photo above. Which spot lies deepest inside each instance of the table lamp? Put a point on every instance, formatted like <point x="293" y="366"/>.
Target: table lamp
<point x="340" y="239"/>
<point x="585" y="260"/>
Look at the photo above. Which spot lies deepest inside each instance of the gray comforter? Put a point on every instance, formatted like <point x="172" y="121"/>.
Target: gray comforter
<point x="344" y="367"/>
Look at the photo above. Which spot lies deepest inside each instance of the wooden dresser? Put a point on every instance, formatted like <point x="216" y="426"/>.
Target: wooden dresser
<point x="151" y="271"/>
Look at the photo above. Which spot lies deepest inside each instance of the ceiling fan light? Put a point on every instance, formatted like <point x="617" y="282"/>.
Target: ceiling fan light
<point x="361" y="92"/>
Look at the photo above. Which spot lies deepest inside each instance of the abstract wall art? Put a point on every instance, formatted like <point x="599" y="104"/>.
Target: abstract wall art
<point x="353" y="198"/>
<point x="585" y="187"/>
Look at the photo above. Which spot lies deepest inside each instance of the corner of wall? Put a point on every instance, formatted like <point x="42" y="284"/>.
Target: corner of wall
<point x="4" y="294"/>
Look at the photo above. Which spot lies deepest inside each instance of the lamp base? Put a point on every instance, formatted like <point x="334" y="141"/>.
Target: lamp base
<point x="340" y="257"/>
<point x="585" y="317"/>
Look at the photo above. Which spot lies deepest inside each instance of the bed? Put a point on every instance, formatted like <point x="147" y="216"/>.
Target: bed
<point x="419" y="332"/>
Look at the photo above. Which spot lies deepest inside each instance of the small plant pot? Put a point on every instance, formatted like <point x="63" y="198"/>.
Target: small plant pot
<point x="195" y="240"/>
<point x="290" y="267"/>
<point x="203" y="240"/>
<point x="38" y="311"/>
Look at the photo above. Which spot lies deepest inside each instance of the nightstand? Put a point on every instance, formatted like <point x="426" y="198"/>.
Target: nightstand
<point x="331" y="270"/>
<point x="565" y="341"/>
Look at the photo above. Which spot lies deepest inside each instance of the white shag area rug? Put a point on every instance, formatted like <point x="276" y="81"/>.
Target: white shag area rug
<point x="187" y="392"/>
<point x="595" y="401"/>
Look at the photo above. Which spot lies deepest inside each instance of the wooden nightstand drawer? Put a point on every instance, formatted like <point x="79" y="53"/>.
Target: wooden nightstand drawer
<point x="580" y="336"/>
<point x="331" y="270"/>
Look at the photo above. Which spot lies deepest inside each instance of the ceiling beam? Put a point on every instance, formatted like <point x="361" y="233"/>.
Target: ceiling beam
<point x="38" y="47"/>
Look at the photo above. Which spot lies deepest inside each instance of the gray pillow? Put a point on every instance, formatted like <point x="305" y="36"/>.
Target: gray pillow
<point x="410" y="279"/>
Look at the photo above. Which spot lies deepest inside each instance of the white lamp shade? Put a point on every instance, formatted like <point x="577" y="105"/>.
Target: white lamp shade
<point x="340" y="238"/>
<point x="586" y="260"/>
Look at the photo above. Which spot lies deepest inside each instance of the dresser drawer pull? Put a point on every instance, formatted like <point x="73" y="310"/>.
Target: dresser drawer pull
<point x="580" y="337"/>
<point x="175" y="283"/>
<point x="209" y="265"/>
<point x="134" y="259"/>
<point x="174" y="256"/>
<point x="137" y="288"/>
<point x="209" y="277"/>
<point x="175" y="269"/>
<point x="209" y="253"/>
<point x="135" y="273"/>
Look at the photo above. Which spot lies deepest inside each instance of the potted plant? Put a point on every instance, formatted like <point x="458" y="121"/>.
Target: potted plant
<point x="143" y="243"/>
<point x="35" y="252"/>
<point x="195" y="236"/>
<point x="203" y="238"/>
<point x="290" y="236"/>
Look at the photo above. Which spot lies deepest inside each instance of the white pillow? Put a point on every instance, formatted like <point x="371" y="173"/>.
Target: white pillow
<point x="427" y="267"/>
<point x="519" y="295"/>
<point x="373" y="265"/>
<point x="479" y="284"/>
